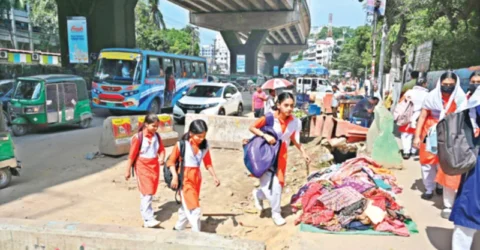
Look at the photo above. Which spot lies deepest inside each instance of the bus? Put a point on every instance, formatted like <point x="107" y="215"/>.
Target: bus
<point x="136" y="80"/>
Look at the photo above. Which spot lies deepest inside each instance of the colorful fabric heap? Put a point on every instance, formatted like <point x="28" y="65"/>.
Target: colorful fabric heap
<point x="358" y="195"/>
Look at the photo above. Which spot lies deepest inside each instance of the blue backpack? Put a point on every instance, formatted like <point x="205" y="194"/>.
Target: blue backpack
<point x="259" y="155"/>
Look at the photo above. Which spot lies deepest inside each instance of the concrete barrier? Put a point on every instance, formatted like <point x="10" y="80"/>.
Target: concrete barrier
<point x="224" y="131"/>
<point x="118" y="130"/>
<point x="31" y="234"/>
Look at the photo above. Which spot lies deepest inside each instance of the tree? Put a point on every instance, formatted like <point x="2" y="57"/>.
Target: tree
<point x="157" y="14"/>
<point x="44" y="14"/>
<point x="148" y="36"/>
<point x="336" y="31"/>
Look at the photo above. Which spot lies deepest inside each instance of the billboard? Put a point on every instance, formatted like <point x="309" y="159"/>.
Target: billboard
<point x="275" y="70"/>
<point x="77" y="39"/>
<point x="240" y="63"/>
<point x="423" y="57"/>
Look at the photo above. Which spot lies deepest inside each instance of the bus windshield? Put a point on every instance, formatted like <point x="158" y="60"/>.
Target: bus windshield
<point x="117" y="71"/>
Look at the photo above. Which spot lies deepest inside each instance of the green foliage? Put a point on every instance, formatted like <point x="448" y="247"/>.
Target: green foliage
<point x="184" y="41"/>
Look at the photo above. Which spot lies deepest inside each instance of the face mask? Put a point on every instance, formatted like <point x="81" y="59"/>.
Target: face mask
<point x="472" y="88"/>
<point x="448" y="89"/>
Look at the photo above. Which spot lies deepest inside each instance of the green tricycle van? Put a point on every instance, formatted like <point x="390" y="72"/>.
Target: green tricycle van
<point x="49" y="100"/>
<point x="8" y="163"/>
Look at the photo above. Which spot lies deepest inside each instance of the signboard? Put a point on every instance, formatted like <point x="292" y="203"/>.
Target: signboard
<point x="240" y="63"/>
<point x="77" y="39"/>
<point x="275" y="71"/>
<point x="381" y="9"/>
<point x="122" y="130"/>
<point x="423" y="57"/>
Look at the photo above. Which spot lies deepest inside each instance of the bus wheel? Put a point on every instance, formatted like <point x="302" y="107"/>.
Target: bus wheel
<point x="154" y="106"/>
<point x="19" y="130"/>
<point x="5" y="177"/>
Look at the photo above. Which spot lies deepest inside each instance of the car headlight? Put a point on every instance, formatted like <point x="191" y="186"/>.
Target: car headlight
<point x="33" y="109"/>
<point x="211" y="105"/>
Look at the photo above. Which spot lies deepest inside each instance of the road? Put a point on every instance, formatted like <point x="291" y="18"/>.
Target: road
<point x="59" y="184"/>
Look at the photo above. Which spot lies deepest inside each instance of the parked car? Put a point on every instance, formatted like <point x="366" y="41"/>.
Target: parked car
<point x="209" y="99"/>
<point x="6" y="90"/>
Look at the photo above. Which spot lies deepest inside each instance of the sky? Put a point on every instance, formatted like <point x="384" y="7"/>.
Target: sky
<point x="345" y="13"/>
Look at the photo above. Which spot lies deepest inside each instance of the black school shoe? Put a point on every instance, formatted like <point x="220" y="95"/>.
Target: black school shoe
<point x="426" y="196"/>
<point x="439" y="191"/>
<point x="406" y="156"/>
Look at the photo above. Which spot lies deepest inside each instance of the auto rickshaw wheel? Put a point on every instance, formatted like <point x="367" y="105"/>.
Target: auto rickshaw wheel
<point x="5" y="177"/>
<point x="19" y="130"/>
<point x="85" y="123"/>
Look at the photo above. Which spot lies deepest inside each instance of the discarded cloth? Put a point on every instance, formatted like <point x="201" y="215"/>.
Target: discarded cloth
<point x="340" y="198"/>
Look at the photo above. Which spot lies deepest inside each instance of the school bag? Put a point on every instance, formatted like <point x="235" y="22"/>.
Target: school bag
<point x="179" y="167"/>
<point x="259" y="155"/>
<point x="140" y="142"/>
<point x="457" y="149"/>
<point x="403" y="112"/>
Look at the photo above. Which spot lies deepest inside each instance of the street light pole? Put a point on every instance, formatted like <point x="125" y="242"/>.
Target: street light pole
<point x="382" y="59"/>
<point x="374" y="49"/>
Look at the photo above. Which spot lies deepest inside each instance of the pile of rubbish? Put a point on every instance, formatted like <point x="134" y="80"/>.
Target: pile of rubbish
<point x="357" y="196"/>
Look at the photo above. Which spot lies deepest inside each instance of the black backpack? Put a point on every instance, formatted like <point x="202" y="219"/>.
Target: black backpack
<point x="140" y="142"/>
<point x="179" y="165"/>
<point x="457" y="147"/>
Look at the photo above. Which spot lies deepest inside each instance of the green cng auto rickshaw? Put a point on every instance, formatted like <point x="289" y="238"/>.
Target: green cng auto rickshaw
<point x="8" y="163"/>
<point x="49" y="100"/>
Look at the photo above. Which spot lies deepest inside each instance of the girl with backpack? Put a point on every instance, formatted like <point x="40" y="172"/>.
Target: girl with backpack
<point x="287" y="128"/>
<point x="446" y="98"/>
<point x="466" y="209"/>
<point x="147" y="153"/>
<point x="416" y="97"/>
<point x="196" y="151"/>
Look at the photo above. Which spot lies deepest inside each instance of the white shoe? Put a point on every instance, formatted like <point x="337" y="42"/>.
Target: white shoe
<point x="278" y="219"/>
<point x="151" y="223"/>
<point x="258" y="202"/>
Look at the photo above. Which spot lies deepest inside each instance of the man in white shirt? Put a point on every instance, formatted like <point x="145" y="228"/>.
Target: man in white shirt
<point x="270" y="102"/>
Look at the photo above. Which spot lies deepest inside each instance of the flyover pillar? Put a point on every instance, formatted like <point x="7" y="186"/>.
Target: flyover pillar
<point x="275" y="61"/>
<point x="250" y="49"/>
<point x="110" y="23"/>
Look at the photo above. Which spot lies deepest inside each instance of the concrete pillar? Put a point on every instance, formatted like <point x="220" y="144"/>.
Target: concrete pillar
<point x="30" y="31"/>
<point x="110" y="23"/>
<point x="273" y="61"/>
<point x="250" y="49"/>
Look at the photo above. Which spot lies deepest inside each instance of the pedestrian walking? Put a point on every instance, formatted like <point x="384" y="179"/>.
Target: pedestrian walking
<point x="416" y="96"/>
<point x="287" y="128"/>
<point x="443" y="100"/>
<point x="147" y="153"/>
<point x="258" y="102"/>
<point x="196" y="151"/>
<point x="466" y="209"/>
<point x="270" y="103"/>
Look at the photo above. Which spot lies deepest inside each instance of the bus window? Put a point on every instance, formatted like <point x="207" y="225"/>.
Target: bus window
<point x="187" y="69"/>
<point x="178" y="68"/>
<point x="168" y="66"/>
<point x="202" y="70"/>
<point x="195" y="70"/>
<point x="154" y="67"/>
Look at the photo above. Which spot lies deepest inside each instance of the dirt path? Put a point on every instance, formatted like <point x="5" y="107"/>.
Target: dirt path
<point x="59" y="184"/>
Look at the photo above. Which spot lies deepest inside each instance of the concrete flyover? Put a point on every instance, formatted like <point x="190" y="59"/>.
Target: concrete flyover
<point x="273" y="27"/>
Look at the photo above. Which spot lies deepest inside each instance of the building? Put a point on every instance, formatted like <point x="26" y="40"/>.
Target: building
<point x="17" y="32"/>
<point x="207" y="51"/>
<point x="324" y="51"/>
<point x="222" y="56"/>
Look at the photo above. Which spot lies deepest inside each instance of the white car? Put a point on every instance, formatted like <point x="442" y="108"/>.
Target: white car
<point x="209" y="99"/>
